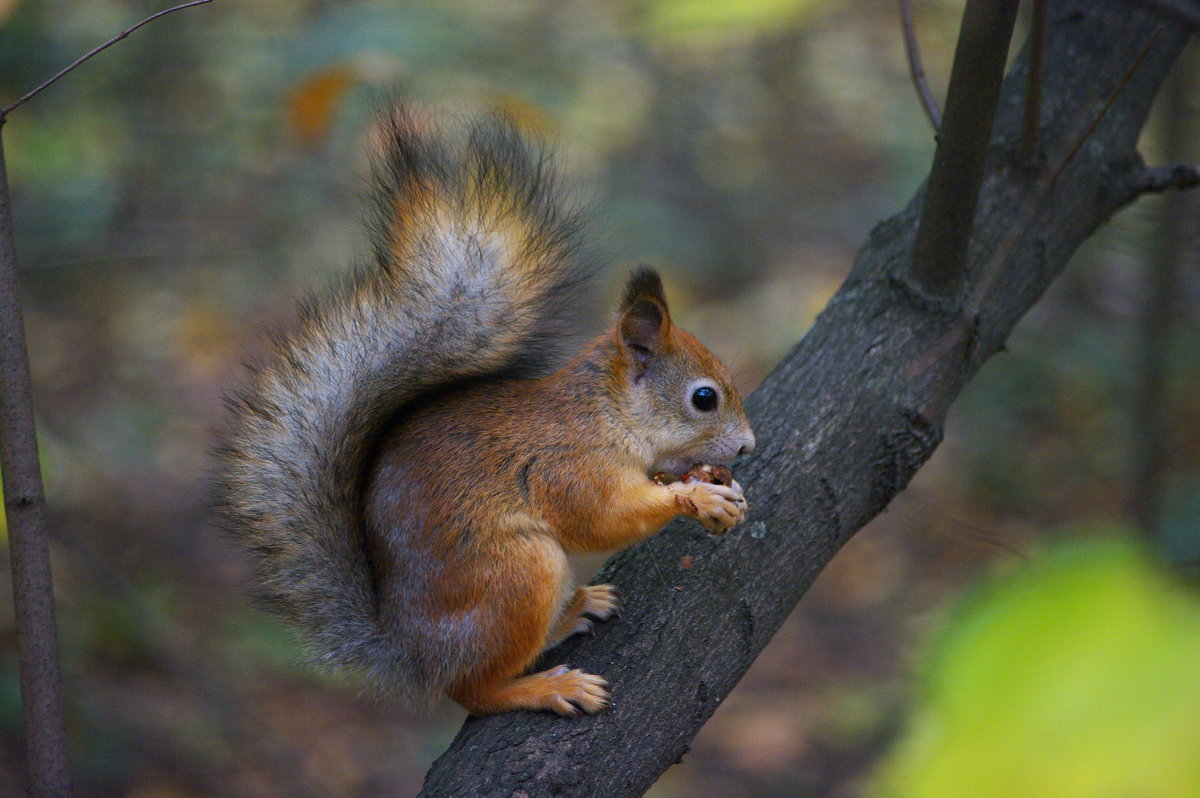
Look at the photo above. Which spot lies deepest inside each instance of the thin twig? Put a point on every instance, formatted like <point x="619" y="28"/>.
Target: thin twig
<point x="1033" y="82"/>
<point x="9" y="108"/>
<point x="916" y="67"/>
<point x="1157" y="179"/>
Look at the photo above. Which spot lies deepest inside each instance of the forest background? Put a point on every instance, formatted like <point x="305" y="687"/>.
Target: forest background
<point x="175" y="197"/>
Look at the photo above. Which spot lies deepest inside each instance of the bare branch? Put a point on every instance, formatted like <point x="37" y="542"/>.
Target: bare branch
<point x="29" y="549"/>
<point x="916" y="67"/>
<point x="1033" y="82"/>
<point x="1157" y="179"/>
<point x="940" y="252"/>
<point x="25" y="502"/>
<point x="4" y="112"/>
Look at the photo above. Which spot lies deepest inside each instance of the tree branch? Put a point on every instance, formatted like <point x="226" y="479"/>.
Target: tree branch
<point x="1108" y="103"/>
<point x="1184" y="11"/>
<point x="1033" y="81"/>
<point x="26" y="98"/>
<point x="916" y="68"/>
<point x="1157" y="179"/>
<point x="940" y="251"/>
<point x="25" y="501"/>
<point x="843" y="423"/>
<point x="29" y="548"/>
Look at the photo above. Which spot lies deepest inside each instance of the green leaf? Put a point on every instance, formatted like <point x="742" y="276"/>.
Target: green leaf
<point x="1078" y="676"/>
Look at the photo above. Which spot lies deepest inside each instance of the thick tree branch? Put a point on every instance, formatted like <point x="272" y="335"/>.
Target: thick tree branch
<point x="1184" y="11"/>
<point x="843" y="423"/>
<point x="1113" y="96"/>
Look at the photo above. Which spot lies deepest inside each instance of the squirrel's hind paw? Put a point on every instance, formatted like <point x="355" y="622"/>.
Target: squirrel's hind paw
<point x="572" y="691"/>
<point x="564" y="690"/>
<point x="601" y="601"/>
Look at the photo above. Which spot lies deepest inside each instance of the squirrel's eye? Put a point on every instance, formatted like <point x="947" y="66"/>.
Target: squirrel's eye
<point x="704" y="398"/>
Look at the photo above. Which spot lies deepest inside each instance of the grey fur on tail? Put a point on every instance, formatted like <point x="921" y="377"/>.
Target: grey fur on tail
<point x="475" y="271"/>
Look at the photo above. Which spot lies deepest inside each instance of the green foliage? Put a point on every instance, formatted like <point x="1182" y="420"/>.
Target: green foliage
<point x="719" y="19"/>
<point x="1075" y="677"/>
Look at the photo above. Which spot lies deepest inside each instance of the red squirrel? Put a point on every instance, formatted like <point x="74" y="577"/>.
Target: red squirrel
<point x="411" y="479"/>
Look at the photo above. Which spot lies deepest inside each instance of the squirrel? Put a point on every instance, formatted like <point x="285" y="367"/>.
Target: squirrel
<point x="409" y="477"/>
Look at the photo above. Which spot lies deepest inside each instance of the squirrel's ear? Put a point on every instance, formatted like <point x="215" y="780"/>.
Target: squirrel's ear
<point x="645" y="322"/>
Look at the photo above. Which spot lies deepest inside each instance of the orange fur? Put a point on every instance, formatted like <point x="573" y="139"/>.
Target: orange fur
<point x="499" y="481"/>
<point x="410" y="495"/>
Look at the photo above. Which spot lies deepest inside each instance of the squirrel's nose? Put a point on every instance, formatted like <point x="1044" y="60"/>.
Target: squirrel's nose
<point x="748" y="446"/>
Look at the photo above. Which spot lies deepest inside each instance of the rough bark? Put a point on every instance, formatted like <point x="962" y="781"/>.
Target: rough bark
<point x="843" y="423"/>
<point x="1183" y="11"/>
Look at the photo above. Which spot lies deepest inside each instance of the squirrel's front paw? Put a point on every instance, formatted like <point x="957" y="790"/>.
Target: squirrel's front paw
<point x="718" y="508"/>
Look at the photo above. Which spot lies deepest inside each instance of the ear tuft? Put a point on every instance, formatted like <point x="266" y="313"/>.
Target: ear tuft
<point x="644" y="283"/>
<point x="645" y="322"/>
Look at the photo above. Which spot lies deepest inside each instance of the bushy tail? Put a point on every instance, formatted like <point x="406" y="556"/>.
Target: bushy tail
<point x="473" y="275"/>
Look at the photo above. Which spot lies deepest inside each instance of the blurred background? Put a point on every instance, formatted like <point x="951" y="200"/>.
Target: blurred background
<point x="174" y="197"/>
